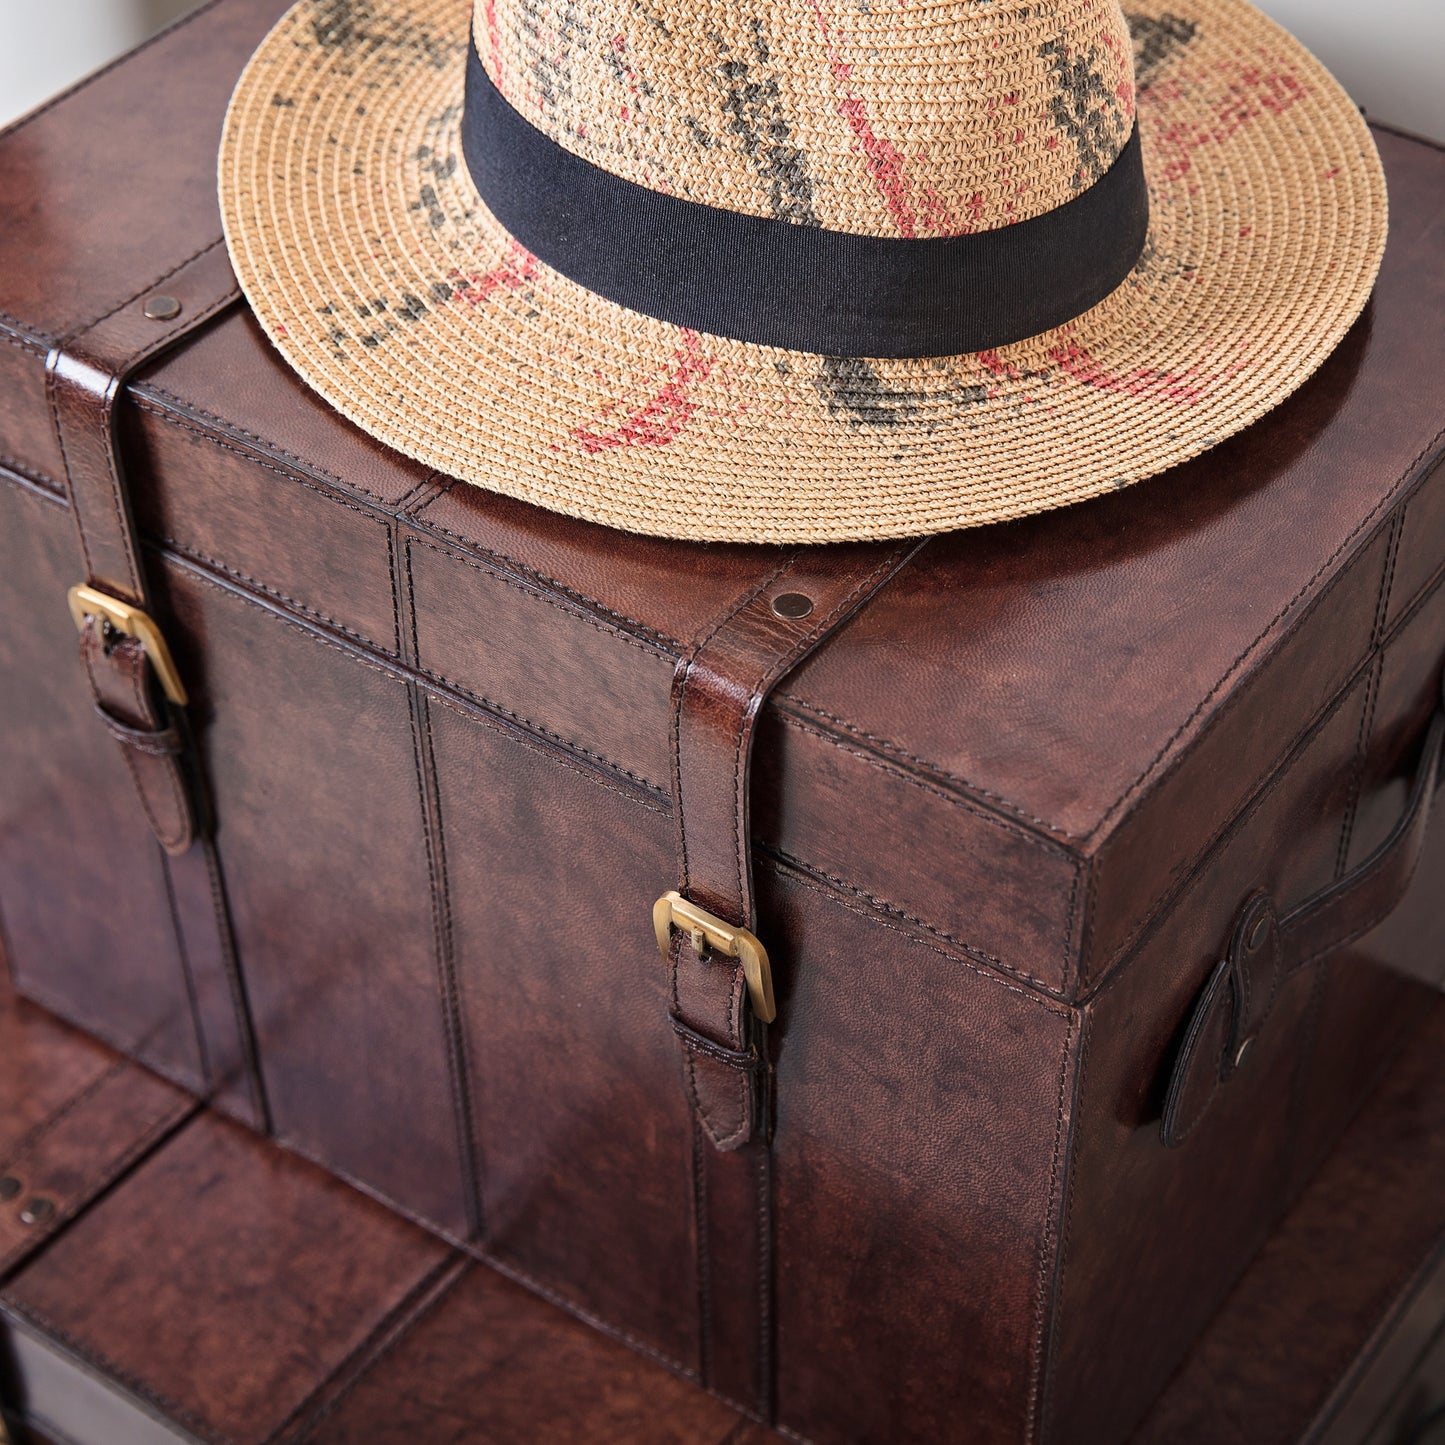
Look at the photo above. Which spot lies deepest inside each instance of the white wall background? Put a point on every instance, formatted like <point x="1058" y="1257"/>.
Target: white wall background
<point x="1390" y="54"/>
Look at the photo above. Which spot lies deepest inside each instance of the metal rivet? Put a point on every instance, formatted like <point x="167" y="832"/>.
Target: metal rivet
<point x="38" y="1211"/>
<point x="10" y="1186"/>
<point x="1243" y="1053"/>
<point x="792" y="605"/>
<point x="162" y="308"/>
<point x="1259" y="932"/>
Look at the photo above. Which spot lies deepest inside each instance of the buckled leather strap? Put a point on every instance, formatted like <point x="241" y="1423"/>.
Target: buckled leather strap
<point x="718" y="692"/>
<point x="128" y="671"/>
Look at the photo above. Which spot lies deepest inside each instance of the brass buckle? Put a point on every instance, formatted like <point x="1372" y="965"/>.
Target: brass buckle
<point x="124" y="617"/>
<point x="672" y="910"/>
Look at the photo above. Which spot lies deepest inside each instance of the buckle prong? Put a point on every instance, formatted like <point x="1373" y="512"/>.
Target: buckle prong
<point x="131" y="621"/>
<point x="708" y="934"/>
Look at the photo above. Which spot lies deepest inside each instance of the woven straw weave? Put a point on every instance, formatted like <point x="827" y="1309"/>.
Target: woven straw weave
<point x="889" y="120"/>
<point x="378" y="272"/>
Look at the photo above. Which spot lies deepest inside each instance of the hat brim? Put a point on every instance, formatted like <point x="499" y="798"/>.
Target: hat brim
<point x="381" y="276"/>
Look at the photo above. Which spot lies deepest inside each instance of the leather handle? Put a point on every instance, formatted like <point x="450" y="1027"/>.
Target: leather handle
<point x="1265" y="949"/>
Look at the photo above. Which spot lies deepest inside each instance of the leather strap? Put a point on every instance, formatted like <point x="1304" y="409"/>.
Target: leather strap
<point x="85" y="377"/>
<point x="718" y="692"/>
<point x="1265" y="949"/>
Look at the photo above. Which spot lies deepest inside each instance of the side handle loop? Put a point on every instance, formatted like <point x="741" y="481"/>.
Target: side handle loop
<point x="1265" y="949"/>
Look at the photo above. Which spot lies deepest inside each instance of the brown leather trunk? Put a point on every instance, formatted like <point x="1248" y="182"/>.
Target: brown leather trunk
<point x="1003" y="812"/>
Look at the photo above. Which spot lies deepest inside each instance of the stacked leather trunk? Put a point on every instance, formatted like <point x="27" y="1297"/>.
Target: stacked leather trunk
<point x="198" y="1283"/>
<point x="1091" y="853"/>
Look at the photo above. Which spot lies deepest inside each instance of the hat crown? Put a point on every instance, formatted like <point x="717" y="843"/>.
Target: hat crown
<point x="894" y="118"/>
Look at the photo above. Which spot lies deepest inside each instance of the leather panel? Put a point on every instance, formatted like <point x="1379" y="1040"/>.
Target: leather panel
<point x="1155" y="1237"/>
<point x="566" y="671"/>
<point x="295" y="1272"/>
<point x="70" y="1158"/>
<point x="1289" y="1355"/>
<point x="27" y="441"/>
<point x="1417" y="559"/>
<point x="154" y="163"/>
<point x="70" y="825"/>
<point x="1149" y="853"/>
<point x="263" y="521"/>
<point x="308" y="748"/>
<point x="903" y="1076"/>
<point x="491" y="1364"/>
<point x="73" y="1116"/>
<point x="1371" y="993"/>
<point x="576" y="1086"/>
<point x="809" y="789"/>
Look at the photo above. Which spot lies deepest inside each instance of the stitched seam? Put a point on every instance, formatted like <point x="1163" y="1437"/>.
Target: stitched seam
<point x="1036" y="1363"/>
<point x="188" y="980"/>
<point x="276" y="469"/>
<point x="129" y="760"/>
<point x="52" y="394"/>
<point x="763" y="1163"/>
<point x="122" y="531"/>
<point x="169" y="770"/>
<point x="98" y="1179"/>
<point x="974" y="810"/>
<point x="53" y="1121"/>
<point x="521" y="739"/>
<point x="804" y="878"/>
<point x="537" y="727"/>
<point x="391" y="1315"/>
<point x="679" y="696"/>
<point x="573" y="613"/>
<point x="914" y="760"/>
<point x="1382" y="505"/>
<point x="23" y="343"/>
<point x="1362" y="742"/>
<point x="442" y="943"/>
<point x="106" y="1367"/>
<point x="271" y="448"/>
<point x="704" y="1252"/>
<point x="667" y="642"/>
<point x="393" y="542"/>
<point x="1374" y="921"/>
<point x="240" y="1003"/>
<point x="216" y="565"/>
<point x="1387" y="587"/>
<point x="417" y="1305"/>
<point x="391" y="676"/>
<point x="992" y="965"/>
<point x="28" y="474"/>
<point x="772" y="671"/>
<point x="452" y="986"/>
<point x="105" y="70"/>
<point x="171" y="332"/>
<point x="1277" y="774"/>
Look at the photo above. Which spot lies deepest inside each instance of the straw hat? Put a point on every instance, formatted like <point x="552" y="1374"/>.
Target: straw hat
<point x="798" y="270"/>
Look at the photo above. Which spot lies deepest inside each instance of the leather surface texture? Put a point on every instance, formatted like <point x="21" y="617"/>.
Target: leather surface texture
<point x="1002" y="822"/>
<point x="246" y="1329"/>
<point x="225" y="1291"/>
